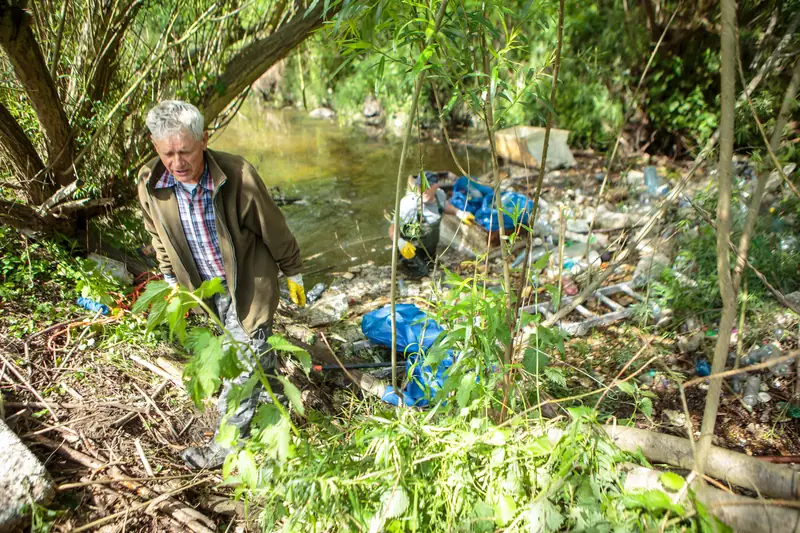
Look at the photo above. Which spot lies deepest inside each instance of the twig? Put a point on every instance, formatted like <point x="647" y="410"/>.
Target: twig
<point x="186" y="516"/>
<point x="111" y="480"/>
<point x="158" y="371"/>
<point x="143" y="457"/>
<point x="11" y="366"/>
<point x="751" y="368"/>
<point x="157" y="410"/>
<point x="347" y="372"/>
<point x="158" y="499"/>
<point x="130" y="416"/>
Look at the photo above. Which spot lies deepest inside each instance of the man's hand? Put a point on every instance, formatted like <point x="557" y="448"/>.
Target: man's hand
<point x="465" y="217"/>
<point x="407" y="249"/>
<point x="297" y="291"/>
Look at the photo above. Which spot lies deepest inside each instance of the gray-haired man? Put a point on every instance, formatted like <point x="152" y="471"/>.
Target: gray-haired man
<point x="210" y="216"/>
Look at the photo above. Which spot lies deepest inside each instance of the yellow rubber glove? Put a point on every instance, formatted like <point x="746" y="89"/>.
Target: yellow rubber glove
<point x="407" y="249"/>
<point x="297" y="291"/>
<point x="465" y="217"/>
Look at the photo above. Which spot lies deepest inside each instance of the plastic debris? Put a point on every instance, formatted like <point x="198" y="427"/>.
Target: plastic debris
<point x="91" y="305"/>
<point x="415" y="331"/>
<point x="314" y="294"/>
<point x="764" y="354"/>
<point x="751" y="390"/>
<point x="702" y="368"/>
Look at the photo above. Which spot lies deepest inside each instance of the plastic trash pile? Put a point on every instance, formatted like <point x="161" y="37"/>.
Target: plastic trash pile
<point x="478" y="199"/>
<point x="416" y="334"/>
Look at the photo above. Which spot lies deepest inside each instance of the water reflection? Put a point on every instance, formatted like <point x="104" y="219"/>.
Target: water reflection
<point x="346" y="178"/>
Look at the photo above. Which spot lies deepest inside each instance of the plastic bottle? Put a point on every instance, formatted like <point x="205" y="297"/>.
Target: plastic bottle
<point x="314" y="294"/>
<point x="751" y="389"/>
<point x="651" y="180"/>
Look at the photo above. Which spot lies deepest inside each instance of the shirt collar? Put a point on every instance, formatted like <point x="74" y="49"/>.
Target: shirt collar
<point x="168" y="180"/>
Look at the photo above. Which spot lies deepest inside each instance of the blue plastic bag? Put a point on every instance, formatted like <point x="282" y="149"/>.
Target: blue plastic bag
<point x="415" y="332"/>
<point x="423" y="382"/>
<point x="488" y="217"/>
<point x="469" y="195"/>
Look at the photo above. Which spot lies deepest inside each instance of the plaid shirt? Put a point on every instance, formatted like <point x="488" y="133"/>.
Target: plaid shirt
<point x="199" y="223"/>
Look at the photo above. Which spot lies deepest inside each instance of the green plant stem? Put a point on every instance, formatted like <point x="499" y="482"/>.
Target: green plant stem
<point x="398" y="194"/>
<point x="542" y="164"/>
<point x="236" y="344"/>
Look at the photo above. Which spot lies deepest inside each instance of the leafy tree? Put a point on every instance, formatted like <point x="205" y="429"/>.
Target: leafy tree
<point x="82" y="75"/>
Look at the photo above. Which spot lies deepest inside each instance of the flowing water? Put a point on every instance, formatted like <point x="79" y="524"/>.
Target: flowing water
<point x="346" y="179"/>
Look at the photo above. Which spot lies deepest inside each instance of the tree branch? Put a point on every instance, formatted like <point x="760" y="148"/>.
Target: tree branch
<point x="16" y="146"/>
<point x="25" y="56"/>
<point x="256" y="58"/>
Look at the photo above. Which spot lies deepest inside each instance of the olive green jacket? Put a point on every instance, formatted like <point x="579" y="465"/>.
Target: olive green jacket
<point x="253" y="236"/>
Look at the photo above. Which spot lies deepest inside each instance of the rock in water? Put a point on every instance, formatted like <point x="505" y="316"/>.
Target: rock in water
<point x="22" y="478"/>
<point x="322" y="113"/>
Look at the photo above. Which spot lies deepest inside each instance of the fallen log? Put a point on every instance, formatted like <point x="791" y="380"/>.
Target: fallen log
<point x="743" y="514"/>
<point x="767" y="479"/>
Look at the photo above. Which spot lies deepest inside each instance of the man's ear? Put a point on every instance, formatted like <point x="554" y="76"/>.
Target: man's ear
<point x="205" y="140"/>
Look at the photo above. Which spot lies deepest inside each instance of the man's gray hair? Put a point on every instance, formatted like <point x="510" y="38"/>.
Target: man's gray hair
<point x="169" y="117"/>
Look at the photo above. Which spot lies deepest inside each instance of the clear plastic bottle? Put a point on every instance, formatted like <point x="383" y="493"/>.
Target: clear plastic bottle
<point x="751" y="389"/>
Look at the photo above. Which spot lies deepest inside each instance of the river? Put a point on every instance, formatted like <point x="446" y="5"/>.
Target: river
<point x="346" y="180"/>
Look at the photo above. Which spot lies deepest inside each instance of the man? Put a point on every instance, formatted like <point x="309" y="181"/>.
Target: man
<point x="210" y="216"/>
<point x="421" y="212"/>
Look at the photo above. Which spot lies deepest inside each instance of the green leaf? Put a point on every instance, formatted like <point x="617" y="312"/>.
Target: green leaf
<point x="279" y="344"/>
<point x="227" y="435"/>
<point x="423" y="58"/>
<point x="466" y="384"/>
<point x="157" y="314"/>
<point x="266" y="415"/>
<point x="545" y="517"/>
<point x="293" y="394"/>
<point x="672" y="481"/>
<point x="646" y="405"/>
<point x="209" y="364"/>
<point x="154" y="290"/>
<point x="542" y="262"/>
<point x="627" y="387"/>
<point x="177" y="325"/>
<point x="209" y="288"/>
<point x="555" y="375"/>
<point x="535" y="361"/>
<point x="248" y="470"/>
<point x="653" y="501"/>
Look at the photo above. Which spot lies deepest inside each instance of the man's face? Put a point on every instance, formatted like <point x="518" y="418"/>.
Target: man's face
<point x="182" y="155"/>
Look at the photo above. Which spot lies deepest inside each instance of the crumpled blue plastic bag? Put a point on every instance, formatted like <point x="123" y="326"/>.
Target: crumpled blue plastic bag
<point x="488" y="217"/>
<point x="416" y="333"/>
<point x="469" y="195"/>
<point x="423" y="383"/>
<point x="415" y="330"/>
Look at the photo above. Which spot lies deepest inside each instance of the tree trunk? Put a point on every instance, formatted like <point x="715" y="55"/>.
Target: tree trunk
<point x="22" y="155"/>
<point x="256" y="58"/>
<point x="728" y="104"/>
<point x="25" y="56"/>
